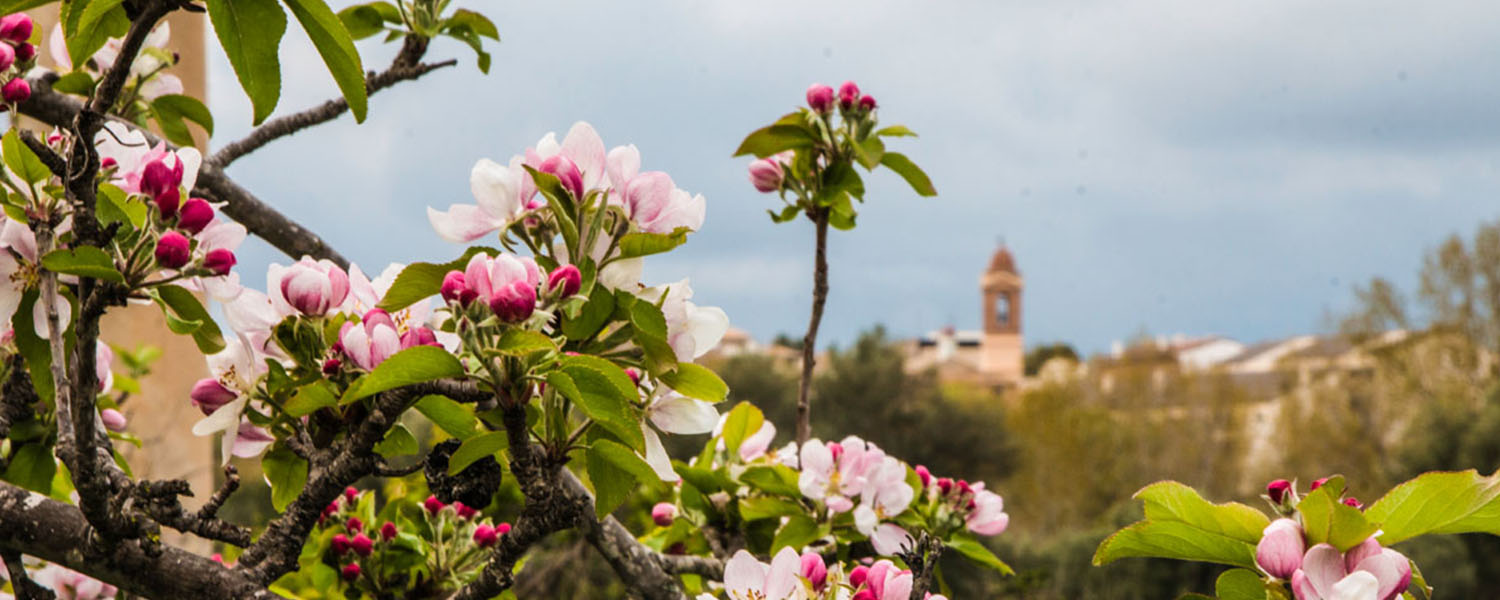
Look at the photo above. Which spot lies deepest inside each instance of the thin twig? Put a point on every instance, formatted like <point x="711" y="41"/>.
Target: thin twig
<point x="20" y="582"/>
<point x="810" y="341"/>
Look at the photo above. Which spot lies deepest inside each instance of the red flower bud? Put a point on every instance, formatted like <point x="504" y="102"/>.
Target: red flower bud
<point x="1317" y="483"/>
<point x="567" y="174"/>
<point x="1351" y="501"/>
<point x="351" y="494"/>
<point x="173" y="250"/>
<point x="766" y="175"/>
<point x="362" y="544"/>
<point x="350" y="572"/>
<point x="7" y="56"/>
<point x="354" y="525"/>
<point x="634" y="375"/>
<point x="167" y="202"/>
<point x="196" y="214"/>
<point x="340" y="544"/>
<point x="924" y="475"/>
<point x="464" y="511"/>
<point x="113" y="420"/>
<point x="108" y="163"/>
<point x="858" y="575"/>
<point x="663" y="513"/>
<point x="433" y="505"/>
<point x="219" y="261"/>
<point x="157" y="178"/>
<point x="1277" y="490"/>
<point x="418" y="336"/>
<point x="25" y="52"/>
<point x="867" y="103"/>
<point x="16" y="27"/>
<point x="848" y="95"/>
<point x="815" y="570"/>
<point x="820" y="98"/>
<point x="566" y="276"/>
<point x="485" y="536"/>
<point x="514" y="303"/>
<point x="455" y="289"/>
<point x="502" y="528"/>
<point x="388" y="531"/>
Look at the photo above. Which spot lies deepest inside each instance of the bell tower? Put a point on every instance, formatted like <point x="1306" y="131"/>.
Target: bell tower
<point x="1002" y="354"/>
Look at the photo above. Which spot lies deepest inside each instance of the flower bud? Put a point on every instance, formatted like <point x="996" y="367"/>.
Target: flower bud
<point x="848" y="95"/>
<point x="1281" y="547"/>
<point x="350" y="572"/>
<point x="566" y="276"/>
<point x="361" y="544"/>
<point x="157" y="178"/>
<point x="25" y="52"/>
<point x="464" y="511"/>
<point x="167" y="202"/>
<point x="1277" y="490"/>
<point x="766" y="175"/>
<point x="836" y="449"/>
<point x="485" y="536"/>
<point x="858" y="575"/>
<point x="864" y="594"/>
<point x="455" y="290"/>
<point x="945" y="485"/>
<point x="219" y="261"/>
<point x="815" y="570"/>
<point x="1317" y="483"/>
<point x="566" y="172"/>
<point x="924" y="475"/>
<point x="433" y="505"/>
<point x="173" y="250"/>
<point x="16" y="27"/>
<point x="820" y="98"/>
<point x="108" y="163"/>
<point x="16" y="90"/>
<point x="663" y="513"/>
<point x="514" y="303"/>
<point x="331" y="366"/>
<point x="354" y="525"/>
<point x="1352" y="501"/>
<point x="7" y="56"/>
<point x="340" y="544"/>
<point x="388" y="531"/>
<point x="196" y="214"/>
<point x="351" y="494"/>
<point x="112" y="419"/>
<point x="867" y="103"/>
<point x="502" y="528"/>
<point x="634" y="375"/>
<point x="418" y="336"/>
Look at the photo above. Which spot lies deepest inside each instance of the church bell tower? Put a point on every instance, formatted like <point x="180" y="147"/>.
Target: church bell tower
<point x="1002" y="354"/>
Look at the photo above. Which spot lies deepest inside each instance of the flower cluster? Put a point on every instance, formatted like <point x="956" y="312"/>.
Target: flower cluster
<point x="808" y="577"/>
<point x="16" y="56"/>
<point x="1367" y="571"/>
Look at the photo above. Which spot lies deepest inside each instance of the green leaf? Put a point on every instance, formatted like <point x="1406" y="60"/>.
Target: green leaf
<point x="703" y="479"/>
<point x="976" y="551"/>
<point x="520" y="342"/>
<point x="482" y="58"/>
<point x="398" y="442"/>
<point x="337" y="48"/>
<point x="84" y="261"/>
<point x="1326" y="519"/>
<point x="775" y="479"/>
<point x="1240" y="584"/>
<point x="475" y="22"/>
<point x="455" y="419"/>
<point x="78" y="83"/>
<point x="909" y="171"/>
<point x="614" y="470"/>
<point x="696" y="381"/>
<point x="287" y="474"/>
<point x="756" y="508"/>
<point x="419" y="281"/>
<point x="170" y="111"/>
<point x="21" y="160"/>
<point x="36" y="351"/>
<point x="870" y="152"/>
<point x="475" y="448"/>
<point x="363" y="20"/>
<point x="595" y="386"/>
<point x="418" y="364"/>
<point x="32" y="467"/>
<point x="651" y="335"/>
<point x="638" y="243"/>
<point x="896" y="131"/>
<point x="250" y="32"/>
<point x="88" y="24"/>
<point x="187" y="308"/>
<point x="115" y="207"/>
<point x="310" y="398"/>
<point x="592" y="317"/>
<point x="776" y="138"/>
<point x="742" y="422"/>
<point x="1438" y="502"/>
<point x="798" y="531"/>
<point x="1180" y="524"/>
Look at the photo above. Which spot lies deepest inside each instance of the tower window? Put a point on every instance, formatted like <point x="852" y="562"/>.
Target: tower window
<point x="1002" y="309"/>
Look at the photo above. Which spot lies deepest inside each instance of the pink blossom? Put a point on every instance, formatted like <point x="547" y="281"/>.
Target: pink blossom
<point x="173" y="251"/>
<point x="195" y="214"/>
<point x="820" y="98"/>
<point x="1281" y="547"/>
<point x="507" y="283"/>
<point x="655" y="204"/>
<point x="1379" y="574"/>
<point x="208" y="395"/>
<point x="988" y="516"/>
<point x="836" y="472"/>
<point x="455" y="290"/>
<point x="219" y="261"/>
<point x="567" y="277"/>
<point x="68" y="584"/>
<point x="371" y="341"/>
<point x="419" y="336"/>
<point x="113" y="420"/>
<point x="814" y="570"/>
<point x="663" y="513"/>
<point x="746" y="577"/>
<point x="566" y="172"/>
<point x="886" y="581"/>
<point x="311" y="287"/>
<point x="250" y="440"/>
<point x="691" y="330"/>
<point x="7" y="56"/>
<point x="767" y="174"/>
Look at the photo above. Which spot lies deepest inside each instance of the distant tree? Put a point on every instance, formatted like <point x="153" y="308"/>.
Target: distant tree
<point x="1040" y="354"/>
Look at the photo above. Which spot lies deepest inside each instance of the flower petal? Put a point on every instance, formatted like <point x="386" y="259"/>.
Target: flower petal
<point x="681" y="415"/>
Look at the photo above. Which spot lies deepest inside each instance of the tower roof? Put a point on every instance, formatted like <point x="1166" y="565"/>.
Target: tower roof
<point x="1003" y="262"/>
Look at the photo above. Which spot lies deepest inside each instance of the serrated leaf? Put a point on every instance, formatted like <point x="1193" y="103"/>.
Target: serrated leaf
<point x="1326" y="519"/>
<point x="419" y="281"/>
<point x="418" y="364"/>
<point x="696" y="381"/>
<point x="479" y="24"/>
<point x="36" y="351"/>
<point x="594" y="314"/>
<point x="775" y="479"/>
<point x="976" y="551"/>
<point x="909" y="171"/>
<point x="21" y="160"/>
<point x="32" y="467"/>
<point x="597" y="389"/>
<point x="476" y="448"/>
<point x="286" y="473"/>
<point x="115" y="206"/>
<point x="186" y="308"/>
<point x="88" y="24"/>
<point x="397" y="442"/>
<point x="896" y="131"/>
<point x="84" y="261"/>
<point x="172" y="109"/>
<point x="651" y="335"/>
<point x="362" y="20"/>
<point x="455" y="419"/>
<point x="637" y="244"/>
<point x="798" y="531"/>
<point x="756" y="508"/>
<point x="520" y="342"/>
<point x="1240" y="584"/>
<point x="772" y="139"/>
<point x="615" y="471"/>
<point x="1438" y="502"/>
<point x="250" y="32"/>
<point x="337" y="49"/>
<point x="1180" y="524"/>
<point x="743" y="421"/>
<point x="310" y="398"/>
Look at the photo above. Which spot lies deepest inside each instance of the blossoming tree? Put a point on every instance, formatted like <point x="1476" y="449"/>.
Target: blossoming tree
<point x="538" y="353"/>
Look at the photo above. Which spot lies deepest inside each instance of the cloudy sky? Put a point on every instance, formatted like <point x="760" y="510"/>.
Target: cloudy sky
<point x="1195" y="167"/>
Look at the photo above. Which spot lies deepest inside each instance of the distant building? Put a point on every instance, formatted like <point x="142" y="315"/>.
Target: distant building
<point x="994" y="355"/>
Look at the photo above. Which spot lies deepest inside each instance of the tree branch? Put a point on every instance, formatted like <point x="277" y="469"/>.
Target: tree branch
<point x="58" y="533"/>
<point x="405" y="67"/>
<point x="20" y="582"/>
<point x="810" y="341"/>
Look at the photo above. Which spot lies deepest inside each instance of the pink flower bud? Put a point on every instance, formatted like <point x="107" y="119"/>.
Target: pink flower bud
<point x="108" y="163"/>
<point x="766" y="175"/>
<point x="196" y="214"/>
<point x="433" y="505"/>
<point x="418" y="336"/>
<point x="464" y="511"/>
<point x="1277" y="490"/>
<point x="361" y="544"/>
<point x="376" y="316"/>
<point x="634" y="375"/>
<point x="16" y="90"/>
<point x="924" y="475"/>
<point x="354" y="525"/>
<point x="7" y="56"/>
<point x="455" y="290"/>
<point x="566" y="276"/>
<point x="331" y="366"/>
<point x="515" y="302"/>
<point x="173" y="250"/>
<point x="485" y="536"/>
<point x="858" y="575"/>
<point x="945" y="485"/>
<point x="16" y="27"/>
<point x="848" y="95"/>
<point x="820" y="98"/>
<point x="1281" y="547"/>
<point x="1352" y="501"/>
<point x="388" y="531"/>
<point x="1317" y="483"/>
<point x="836" y="449"/>
<point x="815" y="570"/>
<point x="167" y="202"/>
<point x="112" y="419"/>
<point x="502" y="528"/>
<point x="864" y="594"/>
<point x="25" y="52"/>
<point x="312" y="287"/>
<point x="867" y="103"/>
<point x="351" y="495"/>
<point x="663" y="513"/>
<point x="219" y="261"/>
<point x="157" y="178"/>
<point x="350" y="572"/>
<point x="566" y="172"/>
<point x="340" y="544"/>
